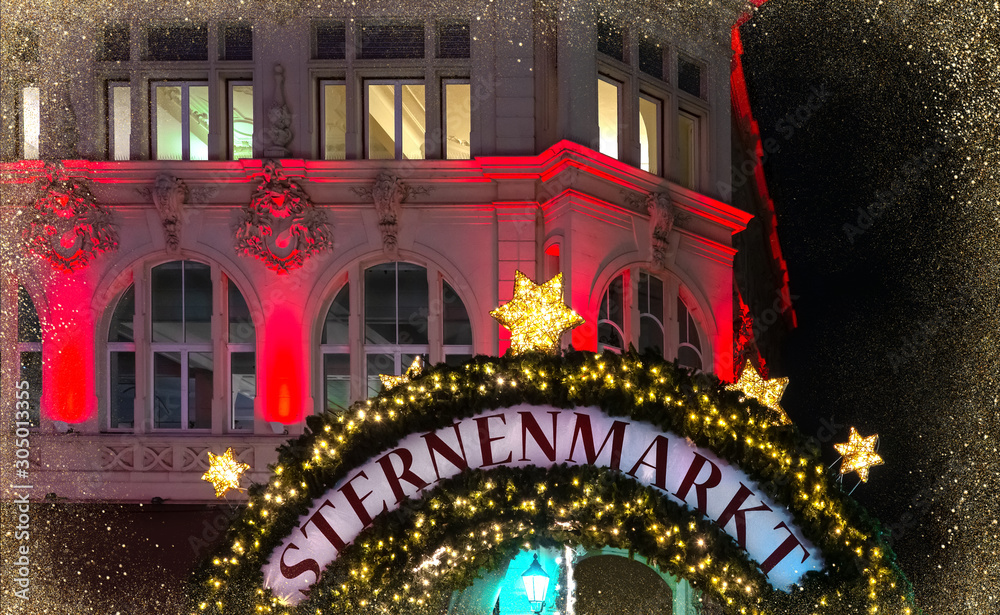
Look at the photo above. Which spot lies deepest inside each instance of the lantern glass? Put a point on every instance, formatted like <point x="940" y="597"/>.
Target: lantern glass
<point x="536" y="584"/>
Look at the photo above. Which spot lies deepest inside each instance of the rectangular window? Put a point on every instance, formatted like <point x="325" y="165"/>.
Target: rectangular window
<point x="689" y="77"/>
<point x="333" y="105"/>
<point x="180" y="120"/>
<point x="651" y="58"/>
<point x="23" y="45"/>
<point x="115" y="43"/>
<point x="608" y="109"/>
<point x="31" y="122"/>
<point x="330" y="41"/>
<point x="454" y="40"/>
<point x="649" y="133"/>
<point x="119" y="120"/>
<point x="688" y="128"/>
<point x="177" y="43"/>
<point x="396" y="119"/>
<point x="237" y="42"/>
<point x="243" y="389"/>
<point x="241" y="119"/>
<point x="384" y="41"/>
<point x="457" y="104"/>
<point x="610" y="39"/>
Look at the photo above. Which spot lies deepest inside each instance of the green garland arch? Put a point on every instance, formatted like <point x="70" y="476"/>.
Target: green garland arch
<point x="478" y="518"/>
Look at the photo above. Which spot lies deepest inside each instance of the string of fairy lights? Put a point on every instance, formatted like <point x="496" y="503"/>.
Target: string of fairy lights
<point x="474" y="520"/>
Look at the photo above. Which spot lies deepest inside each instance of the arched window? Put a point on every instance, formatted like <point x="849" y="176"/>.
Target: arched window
<point x="29" y="346"/>
<point x="406" y="311"/>
<point x="651" y="304"/>
<point x="611" y="321"/>
<point x="181" y="346"/>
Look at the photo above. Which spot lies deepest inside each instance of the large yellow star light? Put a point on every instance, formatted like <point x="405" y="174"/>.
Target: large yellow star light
<point x="767" y="392"/>
<point x="536" y="316"/>
<point x="859" y="454"/>
<point x="224" y="472"/>
<point x="411" y="372"/>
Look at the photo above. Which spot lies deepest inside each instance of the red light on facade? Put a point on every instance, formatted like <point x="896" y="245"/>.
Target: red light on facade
<point x="283" y="367"/>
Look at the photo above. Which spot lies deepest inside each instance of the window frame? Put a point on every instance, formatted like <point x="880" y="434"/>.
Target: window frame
<point x="444" y="83"/>
<point x="397" y="84"/>
<point x="660" y="103"/>
<point x="620" y="128"/>
<point x="31" y="347"/>
<point x="322" y="133"/>
<point x="113" y="84"/>
<point x="22" y="132"/>
<point x="231" y="116"/>
<point x="697" y="156"/>
<point x="185" y="85"/>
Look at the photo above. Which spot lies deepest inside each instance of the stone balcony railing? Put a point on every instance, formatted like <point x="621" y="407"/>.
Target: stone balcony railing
<point x="138" y="468"/>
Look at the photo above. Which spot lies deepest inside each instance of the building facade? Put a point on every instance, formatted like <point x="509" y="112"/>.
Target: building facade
<point x="223" y="220"/>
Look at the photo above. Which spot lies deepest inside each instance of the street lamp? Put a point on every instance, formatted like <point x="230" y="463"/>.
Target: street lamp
<point x="536" y="583"/>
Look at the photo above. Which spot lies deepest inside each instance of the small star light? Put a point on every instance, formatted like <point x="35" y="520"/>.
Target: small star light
<point x="411" y="372"/>
<point x="767" y="392"/>
<point x="224" y="472"/>
<point x="859" y="454"/>
<point x="536" y="316"/>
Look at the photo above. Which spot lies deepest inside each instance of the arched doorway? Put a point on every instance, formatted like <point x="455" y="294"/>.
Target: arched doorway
<point x="612" y="584"/>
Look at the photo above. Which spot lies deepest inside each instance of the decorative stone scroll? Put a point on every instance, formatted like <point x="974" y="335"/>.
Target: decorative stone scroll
<point x="169" y="195"/>
<point x="661" y="221"/>
<point x="279" y="116"/>
<point x="69" y="227"/>
<point x="388" y="193"/>
<point x="280" y="226"/>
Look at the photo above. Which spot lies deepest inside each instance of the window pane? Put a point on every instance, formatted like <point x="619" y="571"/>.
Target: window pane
<point x="414" y="122"/>
<point x="610" y="39"/>
<point x="381" y="121"/>
<point x="649" y="134"/>
<point x="198" y="121"/>
<point x="170" y="43"/>
<point x="607" y="116"/>
<point x="687" y="143"/>
<point x="608" y="337"/>
<point x="380" y="304"/>
<point x="457" y="328"/>
<point x="122" y="321"/>
<point x="330" y="41"/>
<point x="121" y="122"/>
<point x="335" y="328"/>
<point x="454" y="40"/>
<point x="379" y="364"/>
<point x="688" y="357"/>
<point x="169" y="140"/>
<point x="237" y="40"/>
<point x="413" y="304"/>
<point x="167" y="390"/>
<point x="337" y="380"/>
<point x="651" y="58"/>
<point x="688" y="77"/>
<point x="458" y="120"/>
<point x="28" y="328"/>
<point x="243" y="383"/>
<point x="122" y="406"/>
<point x="650" y="336"/>
<point x="167" y="305"/>
<point x="455" y="360"/>
<point x="242" y="119"/>
<point x="200" y="371"/>
<point x="335" y="121"/>
<point x="613" y="308"/>
<point x="241" y="329"/>
<point x="651" y="295"/>
<point x="31" y="370"/>
<point x="197" y="302"/>
<point x="31" y="121"/>
<point x="391" y="40"/>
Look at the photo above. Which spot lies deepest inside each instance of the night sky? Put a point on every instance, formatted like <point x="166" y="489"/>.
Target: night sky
<point x="891" y="108"/>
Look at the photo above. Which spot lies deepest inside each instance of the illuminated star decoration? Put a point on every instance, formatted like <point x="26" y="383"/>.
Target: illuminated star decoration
<point x="536" y="316"/>
<point x="859" y="454"/>
<point x="224" y="472"/>
<point x="767" y="392"/>
<point x="411" y="372"/>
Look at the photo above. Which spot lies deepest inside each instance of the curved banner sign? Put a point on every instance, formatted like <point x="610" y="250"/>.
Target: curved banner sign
<point x="543" y="436"/>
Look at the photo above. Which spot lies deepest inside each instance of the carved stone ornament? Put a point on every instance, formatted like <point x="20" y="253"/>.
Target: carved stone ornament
<point x="661" y="222"/>
<point x="280" y="226"/>
<point x="67" y="226"/>
<point x="169" y="194"/>
<point x="388" y="193"/>
<point x="279" y="117"/>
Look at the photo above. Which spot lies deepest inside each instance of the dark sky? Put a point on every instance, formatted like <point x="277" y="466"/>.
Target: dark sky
<point x="893" y="311"/>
